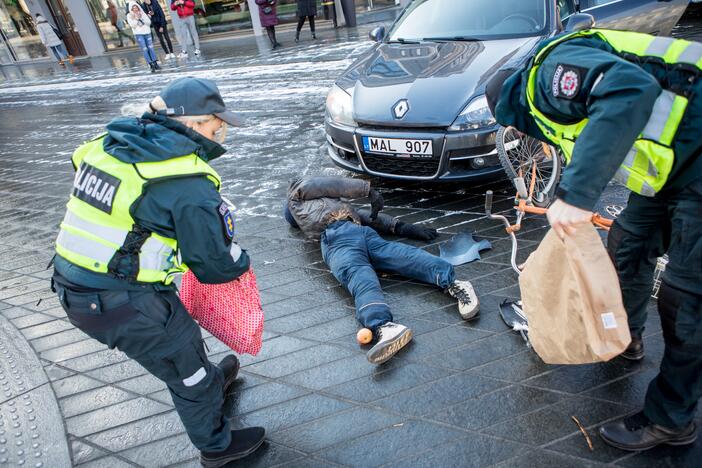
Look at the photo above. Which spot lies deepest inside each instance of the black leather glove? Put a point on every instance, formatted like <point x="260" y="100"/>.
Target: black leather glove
<point x="377" y="203"/>
<point x="415" y="232"/>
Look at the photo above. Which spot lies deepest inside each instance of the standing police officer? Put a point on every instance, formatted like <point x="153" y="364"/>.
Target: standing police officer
<point x="625" y="105"/>
<point x="145" y="203"/>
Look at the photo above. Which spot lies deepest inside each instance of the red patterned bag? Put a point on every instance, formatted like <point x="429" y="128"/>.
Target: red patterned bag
<point x="230" y="311"/>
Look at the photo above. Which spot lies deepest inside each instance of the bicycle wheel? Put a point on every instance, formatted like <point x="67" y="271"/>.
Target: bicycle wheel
<point x="521" y="156"/>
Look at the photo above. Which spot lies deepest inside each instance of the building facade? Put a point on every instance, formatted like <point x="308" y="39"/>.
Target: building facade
<point x="94" y="27"/>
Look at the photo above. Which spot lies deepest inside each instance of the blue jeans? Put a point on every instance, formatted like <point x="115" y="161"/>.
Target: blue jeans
<point x="353" y="253"/>
<point x="59" y="51"/>
<point x="147" y="47"/>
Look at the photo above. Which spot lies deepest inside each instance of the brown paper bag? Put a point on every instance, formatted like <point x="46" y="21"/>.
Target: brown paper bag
<point x="571" y="296"/>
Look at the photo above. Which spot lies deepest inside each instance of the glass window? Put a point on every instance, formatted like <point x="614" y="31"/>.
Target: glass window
<point x="564" y="6"/>
<point x="19" y="31"/>
<point x="366" y="5"/>
<point x="478" y="19"/>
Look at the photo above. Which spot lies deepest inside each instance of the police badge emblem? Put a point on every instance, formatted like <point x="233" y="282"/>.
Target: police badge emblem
<point x="566" y="81"/>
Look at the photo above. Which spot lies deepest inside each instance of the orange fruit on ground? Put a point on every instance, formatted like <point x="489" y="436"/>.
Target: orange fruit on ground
<point x="364" y="336"/>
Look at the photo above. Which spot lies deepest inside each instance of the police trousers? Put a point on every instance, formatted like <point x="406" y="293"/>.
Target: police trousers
<point x="153" y="328"/>
<point x="646" y="229"/>
<point x="353" y="253"/>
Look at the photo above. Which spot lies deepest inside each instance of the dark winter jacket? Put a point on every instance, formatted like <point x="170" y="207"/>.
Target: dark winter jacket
<point x="270" y="18"/>
<point x="187" y="209"/>
<point x="155" y="12"/>
<point x="184" y="10"/>
<point x="319" y="201"/>
<point x="306" y="8"/>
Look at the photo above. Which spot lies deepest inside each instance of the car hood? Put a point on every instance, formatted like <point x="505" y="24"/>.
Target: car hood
<point x="437" y="79"/>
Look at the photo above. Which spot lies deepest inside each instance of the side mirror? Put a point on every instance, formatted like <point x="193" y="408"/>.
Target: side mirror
<point x="377" y="34"/>
<point x="579" y="22"/>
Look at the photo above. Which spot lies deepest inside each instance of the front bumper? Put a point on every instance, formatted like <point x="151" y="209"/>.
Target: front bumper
<point x="458" y="156"/>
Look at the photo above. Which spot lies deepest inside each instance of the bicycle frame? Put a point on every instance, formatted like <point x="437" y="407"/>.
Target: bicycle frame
<point x="523" y="206"/>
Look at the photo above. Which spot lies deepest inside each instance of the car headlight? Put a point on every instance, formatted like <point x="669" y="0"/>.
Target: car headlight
<point x="339" y="106"/>
<point x="475" y="115"/>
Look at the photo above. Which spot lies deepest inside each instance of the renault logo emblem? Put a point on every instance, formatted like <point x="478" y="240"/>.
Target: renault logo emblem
<point x="400" y="109"/>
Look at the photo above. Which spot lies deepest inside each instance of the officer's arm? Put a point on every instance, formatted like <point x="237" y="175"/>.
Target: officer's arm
<point x="190" y="207"/>
<point x="618" y="98"/>
<point x="328" y="187"/>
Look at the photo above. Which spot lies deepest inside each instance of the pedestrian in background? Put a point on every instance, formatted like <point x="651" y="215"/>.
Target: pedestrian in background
<point x="186" y="12"/>
<point x="48" y="37"/>
<point x="305" y="9"/>
<point x="122" y="240"/>
<point x="329" y="7"/>
<point x="269" y="18"/>
<point x="117" y="21"/>
<point x="141" y="25"/>
<point x="177" y="23"/>
<point x="159" y="24"/>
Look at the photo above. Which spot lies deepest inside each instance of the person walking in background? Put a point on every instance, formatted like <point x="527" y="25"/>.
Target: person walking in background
<point x="159" y="24"/>
<point x="269" y="18"/>
<point x="48" y="37"/>
<point x="116" y="20"/>
<point x="186" y="12"/>
<point x="141" y="25"/>
<point x="177" y="23"/>
<point x="305" y="9"/>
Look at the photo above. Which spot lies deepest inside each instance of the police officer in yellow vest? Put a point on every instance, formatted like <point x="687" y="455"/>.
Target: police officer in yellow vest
<point x="628" y="106"/>
<point x="145" y="206"/>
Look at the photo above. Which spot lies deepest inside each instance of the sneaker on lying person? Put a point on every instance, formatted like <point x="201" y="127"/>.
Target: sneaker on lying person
<point x="392" y="337"/>
<point x="468" y="304"/>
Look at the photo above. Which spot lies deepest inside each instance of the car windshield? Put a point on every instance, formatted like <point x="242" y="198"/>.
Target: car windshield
<point x="469" y="20"/>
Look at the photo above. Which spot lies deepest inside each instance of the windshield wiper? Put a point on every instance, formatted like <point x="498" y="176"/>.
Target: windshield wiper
<point x="453" y="38"/>
<point x="402" y="40"/>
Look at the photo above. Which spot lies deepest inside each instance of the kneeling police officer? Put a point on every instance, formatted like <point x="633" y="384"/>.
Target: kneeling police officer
<point x="145" y="203"/>
<point x="628" y="106"/>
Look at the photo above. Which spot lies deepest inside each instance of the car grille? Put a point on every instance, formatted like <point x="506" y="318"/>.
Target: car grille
<point x="405" y="167"/>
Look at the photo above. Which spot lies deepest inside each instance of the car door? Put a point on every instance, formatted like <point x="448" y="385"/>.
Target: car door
<point x="649" y="16"/>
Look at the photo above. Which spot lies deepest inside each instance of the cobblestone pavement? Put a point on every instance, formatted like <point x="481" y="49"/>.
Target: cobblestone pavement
<point x="461" y="394"/>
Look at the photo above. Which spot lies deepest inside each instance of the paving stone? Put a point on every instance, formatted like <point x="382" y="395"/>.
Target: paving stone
<point x="577" y="379"/>
<point x="298" y="361"/>
<point x="545" y="459"/>
<point x="276" y="347"/>
<point x="497" y="406"/>
<point x="336" y="372"/>
<point x="46" y="329"/>
<point x="93" y="399"/>
<point x="117" y="372"/>
<point x="322" y="433"/>
<point x="143" y="385"/>
<point x="107" y="462"/>
<point x="515" y="368"/>
<point x="290" y="413"/>
<point x="388" y="382"/>
<point x="306" y="318"/>
<point x="162" y="452"/>
<point x="74" y="384"/>
<point x="56" y="340"/>
<point x="142" y="431"/>
<point x="56" y="372"/>
<point x="441" y="340"/>
<point x="629" y="390"/>
<point x="409" y="438"/>
<point x="73" y="350"/>
<point x="30" y="319"/>
<point x="331" y="330"/>
<point x="576" y="445"/>
<point x="83" y="453"/>
<point x="264" y="395"/>
<point x="432" y="397"/>
<point x="665" y="456"/>
<point x="473" y="451"/>
<point x="111" y="416"/>
<point x="95" y="360"/>
<point x="480" y="352"/>
<point x="555" y="421"/>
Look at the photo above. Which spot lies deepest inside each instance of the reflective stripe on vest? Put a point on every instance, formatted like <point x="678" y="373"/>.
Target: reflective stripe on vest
<point x="98" y="219"/>
<point x="647" y="166"/>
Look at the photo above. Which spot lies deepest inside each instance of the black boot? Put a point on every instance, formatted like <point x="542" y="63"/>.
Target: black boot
<point x="314" y="36"/>
<point x="244" y="442"/>
<point x="635" y="350"/>
<point x="156" y="66"/>
<point x="151" y="66"/>
<point x="297" y="36"/>
<point x="230" y="367"/>
<point x="637" y="432"/>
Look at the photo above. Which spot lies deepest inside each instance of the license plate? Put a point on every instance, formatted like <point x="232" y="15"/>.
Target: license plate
<point x="397" y="146"/>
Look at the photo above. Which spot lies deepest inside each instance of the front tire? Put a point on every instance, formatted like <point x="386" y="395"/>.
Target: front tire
<point x="518" y="153"/>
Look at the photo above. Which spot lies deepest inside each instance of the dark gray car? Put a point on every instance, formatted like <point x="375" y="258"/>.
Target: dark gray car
<point x="413" y="106"/>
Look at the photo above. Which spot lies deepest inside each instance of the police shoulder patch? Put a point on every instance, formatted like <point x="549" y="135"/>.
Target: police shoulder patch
<point x="567" y="80"/>
<point x="227" y="220"/>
